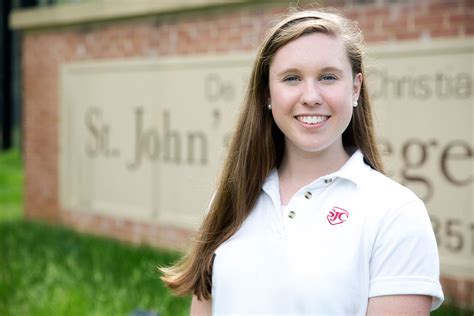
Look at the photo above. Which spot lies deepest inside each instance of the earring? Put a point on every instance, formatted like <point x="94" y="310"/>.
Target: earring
<point x="269" y="106"/>
<point x="355" y="103"/>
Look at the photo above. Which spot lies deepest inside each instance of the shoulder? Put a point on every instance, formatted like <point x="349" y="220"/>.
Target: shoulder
<point x="372" y="188"/>
<point x="386" y="201"/>
<point x="384" y="190"/>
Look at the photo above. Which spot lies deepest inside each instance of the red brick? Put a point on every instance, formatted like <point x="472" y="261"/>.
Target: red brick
<point x="438" y="7"/>
<point x="414" y="8"/>
<point x="445" y="33"/>
<point x="374" y="38"/>
<point x="468" y="30"/>
<point x="355" y="15"/>
<point x="461" y="18"/>
<point x="374" y="12"/>
<point x="407" y="35"/>
<point x="430" y="21"/>
<point x="400" y="23"/>
<point x="368" y="26"/>
<point x="459" y="291"/>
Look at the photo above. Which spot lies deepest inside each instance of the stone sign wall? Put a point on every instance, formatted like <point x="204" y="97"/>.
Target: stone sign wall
<point x="144" y="139"/>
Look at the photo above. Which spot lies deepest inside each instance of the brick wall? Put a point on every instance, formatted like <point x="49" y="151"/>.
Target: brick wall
<point x="218" y="30"/>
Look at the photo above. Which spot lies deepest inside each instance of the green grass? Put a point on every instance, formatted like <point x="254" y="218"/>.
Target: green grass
<point x="11" y="185"/>
<point x="51" y="270"/>
<point x="449" y="310"/>
<point x="54" y="271"/>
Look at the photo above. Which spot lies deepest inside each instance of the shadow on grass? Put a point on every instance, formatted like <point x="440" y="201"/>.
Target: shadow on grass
<point x="49" y="270"/>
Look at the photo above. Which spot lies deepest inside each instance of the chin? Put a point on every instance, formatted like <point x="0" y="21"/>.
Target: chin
<point x="312" y="149"/>
<point x="317" y="147"/>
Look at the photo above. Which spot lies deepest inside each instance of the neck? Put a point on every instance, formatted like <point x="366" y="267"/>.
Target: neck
<point x="300" y="168"/>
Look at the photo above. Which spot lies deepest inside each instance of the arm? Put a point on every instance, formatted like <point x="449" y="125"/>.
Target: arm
<point x="407" y="305"/>
<point x="199" y="308"/>
<point x="404" y="265"/>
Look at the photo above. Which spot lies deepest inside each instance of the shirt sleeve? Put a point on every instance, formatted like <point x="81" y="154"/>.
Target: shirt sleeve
<point x="405" y="255"/>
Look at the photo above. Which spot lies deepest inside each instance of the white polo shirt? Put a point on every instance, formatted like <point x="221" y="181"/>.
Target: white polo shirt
<point x="346" y="237"/>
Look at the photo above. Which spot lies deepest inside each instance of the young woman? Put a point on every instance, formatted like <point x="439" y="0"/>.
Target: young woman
<point x="303" y="220"/>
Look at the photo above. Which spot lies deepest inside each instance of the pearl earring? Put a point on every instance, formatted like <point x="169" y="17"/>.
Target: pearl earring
<point x="355" y="103"/>
<point x="269" y="106"/>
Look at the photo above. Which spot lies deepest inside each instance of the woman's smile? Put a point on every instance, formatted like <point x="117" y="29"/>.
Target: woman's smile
<point x="312" y="120"/>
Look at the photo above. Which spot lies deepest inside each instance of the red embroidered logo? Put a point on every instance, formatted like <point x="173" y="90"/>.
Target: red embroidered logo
<point x="337" y="216"/>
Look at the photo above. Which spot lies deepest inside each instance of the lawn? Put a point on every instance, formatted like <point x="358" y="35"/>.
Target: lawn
<point x="54" y="271"/>
<point x="51" y="270"/>
<point x="11" y="185"/>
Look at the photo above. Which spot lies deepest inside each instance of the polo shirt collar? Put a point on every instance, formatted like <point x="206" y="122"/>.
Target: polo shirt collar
<point x="272" y="184"/>
<point x="352" y="170"/>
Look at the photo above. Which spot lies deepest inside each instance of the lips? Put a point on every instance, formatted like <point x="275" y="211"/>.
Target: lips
<point x="312" y="119"/>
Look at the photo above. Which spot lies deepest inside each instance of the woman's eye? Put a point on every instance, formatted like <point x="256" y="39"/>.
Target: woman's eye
<point x="291" y="78"/>
<point x="328" y="77"/>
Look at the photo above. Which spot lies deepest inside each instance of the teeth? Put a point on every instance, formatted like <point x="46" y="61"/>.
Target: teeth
<point x="312" y="119"/>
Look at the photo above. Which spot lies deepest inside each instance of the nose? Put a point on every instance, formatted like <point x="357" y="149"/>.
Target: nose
<point x="311" y="96"/>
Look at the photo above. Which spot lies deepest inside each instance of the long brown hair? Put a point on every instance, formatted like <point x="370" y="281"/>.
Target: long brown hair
<point x="257" y="147"/>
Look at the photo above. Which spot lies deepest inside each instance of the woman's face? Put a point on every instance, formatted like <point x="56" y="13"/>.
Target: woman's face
<point x="312" y="92"/>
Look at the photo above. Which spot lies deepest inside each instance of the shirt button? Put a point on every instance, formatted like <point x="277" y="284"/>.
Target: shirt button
<point x="308" y="195"/>
<point x="329" y="180"/>
<point x="291" y="214"/>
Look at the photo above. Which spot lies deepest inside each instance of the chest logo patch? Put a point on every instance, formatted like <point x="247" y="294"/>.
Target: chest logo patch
<point x="337" y="216"/>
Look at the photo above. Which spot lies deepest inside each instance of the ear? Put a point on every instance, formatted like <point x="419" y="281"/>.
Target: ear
<point x="357" y="84"/>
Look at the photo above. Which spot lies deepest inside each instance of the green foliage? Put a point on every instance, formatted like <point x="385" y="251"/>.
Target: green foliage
<point x="450" y="310"/>
<point x="49" y="270"/>
<point x="11" y="185"/>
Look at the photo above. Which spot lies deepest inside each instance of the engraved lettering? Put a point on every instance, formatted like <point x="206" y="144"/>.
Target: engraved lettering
<point x="415" y="154"/>
<point x="99" y="143"/>
<point x="448" y="155"/>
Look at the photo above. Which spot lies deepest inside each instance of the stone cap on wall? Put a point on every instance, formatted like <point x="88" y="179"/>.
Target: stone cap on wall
<point x="100" y="10"/>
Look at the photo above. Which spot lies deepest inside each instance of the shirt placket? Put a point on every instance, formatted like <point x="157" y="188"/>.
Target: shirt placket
<point x="303" y="202"/>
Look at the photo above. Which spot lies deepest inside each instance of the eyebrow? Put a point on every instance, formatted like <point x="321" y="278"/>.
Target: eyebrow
<point x="297" y="70"/>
